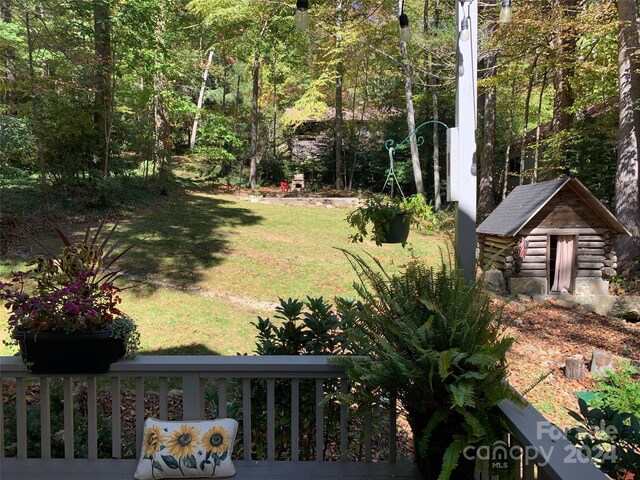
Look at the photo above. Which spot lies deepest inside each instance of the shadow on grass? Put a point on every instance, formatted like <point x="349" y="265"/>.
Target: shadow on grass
<point x="181" y="238"/>
<point x="189" y="349"/>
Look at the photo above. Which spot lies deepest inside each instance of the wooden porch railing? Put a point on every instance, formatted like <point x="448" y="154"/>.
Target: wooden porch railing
<point x="194" y="373"/>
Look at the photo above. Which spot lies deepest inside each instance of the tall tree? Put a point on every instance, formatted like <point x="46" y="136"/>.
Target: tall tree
<point x="103" y="91"/>
<point x="8" y="54"/>
<point x="627" y="173"/>
<point x="486" y="202"/>
<point x="411" y="122"/>
<point x="564" y="46"/>
<point x="338" y="130"/>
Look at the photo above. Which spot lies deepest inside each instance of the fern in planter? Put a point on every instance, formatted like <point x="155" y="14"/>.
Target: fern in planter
<point x="387" y="220"/>
<point x="435" y="341"/>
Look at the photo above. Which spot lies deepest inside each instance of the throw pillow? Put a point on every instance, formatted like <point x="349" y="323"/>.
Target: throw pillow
<point x="187" y="449"/>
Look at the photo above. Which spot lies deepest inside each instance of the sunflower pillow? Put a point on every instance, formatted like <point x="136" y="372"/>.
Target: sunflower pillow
<point x="187" y="449"/>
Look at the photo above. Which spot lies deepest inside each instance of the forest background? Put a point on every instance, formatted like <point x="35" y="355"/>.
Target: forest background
<point x="104" y="97"/>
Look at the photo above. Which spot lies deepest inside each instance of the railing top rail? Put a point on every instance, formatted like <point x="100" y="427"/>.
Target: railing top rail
<point x="557" y="457"/>
<point x="291" y="366"/>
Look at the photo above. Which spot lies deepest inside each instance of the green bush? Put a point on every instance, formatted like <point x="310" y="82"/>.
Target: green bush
<point x="435" y="342"/>
<point x="610" y="438"/>
<point x="619" y="390"/>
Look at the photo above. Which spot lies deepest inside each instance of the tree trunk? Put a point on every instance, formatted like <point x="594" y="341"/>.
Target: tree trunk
<point x="527" y="110"/>
<point x="162" y="124"/>
<point x="255" y="93"/>
<point x="411" y="123"/>
<point x="486" y="203"/>
<point x="564" y="47"/>
<point x="103" y="93"/>
<point x="627" y="171"/>
<point x="9" y="55"/>
<point x="505" y="184"/>
<point x="203" y="87"/>
<point x="536" y="160"/>
<point x="337" y="121"/>
<point x="35" y="103"/>
<point x="432" y="79"/>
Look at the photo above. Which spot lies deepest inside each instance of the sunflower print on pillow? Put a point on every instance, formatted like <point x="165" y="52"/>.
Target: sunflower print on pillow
<point x="187" y="449"/>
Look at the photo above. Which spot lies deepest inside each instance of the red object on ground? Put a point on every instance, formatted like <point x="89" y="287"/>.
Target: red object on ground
<point x="284" y="187"/>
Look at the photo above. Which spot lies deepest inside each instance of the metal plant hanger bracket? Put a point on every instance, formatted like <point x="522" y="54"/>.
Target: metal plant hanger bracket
<point x="392" y="147"/>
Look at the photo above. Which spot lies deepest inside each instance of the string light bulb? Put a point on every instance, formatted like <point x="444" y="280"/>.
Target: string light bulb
<point x="301" y="17"/>
<point x="405" y="30"/>
<point x="465" y="34"/>
<point x="505" y="11"/>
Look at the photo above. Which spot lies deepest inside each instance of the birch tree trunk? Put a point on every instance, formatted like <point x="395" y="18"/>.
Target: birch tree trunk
<point x="35" y="103"/>
<point x="411" y="123"/>
<point x="338" y="132"/>
<point x="627" y="170"/>
<point x="255" y="94"/>
<point x="103" y="92"/>
<point x="486" y="203"/>
<point x="203" y="87"/>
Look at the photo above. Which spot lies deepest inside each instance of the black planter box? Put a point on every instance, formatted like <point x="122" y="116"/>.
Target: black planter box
<point x="62" y="353"/>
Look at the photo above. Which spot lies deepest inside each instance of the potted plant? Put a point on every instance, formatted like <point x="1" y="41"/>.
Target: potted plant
<point x="65" y="312"/>
<point x="433" y="341"/>
<point x="390" y="218"/>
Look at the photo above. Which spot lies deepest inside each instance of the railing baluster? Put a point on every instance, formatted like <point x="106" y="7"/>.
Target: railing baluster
<point x="139" y="412"/>
<point x="271" y="415"/>
<point x="45" y="418"/>
<point x="528" y="470"/>
<point x="515" y="465"/>
<point x="295" y="419"/>
<point x="319" y="422"/>
<point x="67" y="395"/>
<point x="368" y="433"/>
<point x="1" y="419"/>
<point x="92" y="418"/>
<point x="246" y="417"/>
<point x="116" y="430"/>
<point x="344" y="427"/>
<point x="202" y="390"/>
<point x="222" y="397"/>
<point x="163" y="392"/>
<point x="393" y="429"/>
<point x="191" y="400"/>
<point x="21" y="417"/>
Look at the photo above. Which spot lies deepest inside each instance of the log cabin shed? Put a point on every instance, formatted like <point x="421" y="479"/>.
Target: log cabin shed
<point x="552" y="237"/>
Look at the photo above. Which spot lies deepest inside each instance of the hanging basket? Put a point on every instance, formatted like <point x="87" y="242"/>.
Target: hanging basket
<point x="62" y="353"/>
<point x="399" y="228"/>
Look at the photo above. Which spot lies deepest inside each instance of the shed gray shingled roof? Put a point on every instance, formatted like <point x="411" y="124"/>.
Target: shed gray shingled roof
<point x="527" y="200"/>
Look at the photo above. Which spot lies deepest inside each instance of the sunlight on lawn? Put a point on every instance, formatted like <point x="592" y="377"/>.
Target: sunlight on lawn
<point x="229" y="247"/>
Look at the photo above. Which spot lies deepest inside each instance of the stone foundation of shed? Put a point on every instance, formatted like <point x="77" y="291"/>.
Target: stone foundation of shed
<point x="540" y="286"/>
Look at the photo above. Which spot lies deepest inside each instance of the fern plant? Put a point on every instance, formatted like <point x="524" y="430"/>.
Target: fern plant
<point x="432" y="340"/>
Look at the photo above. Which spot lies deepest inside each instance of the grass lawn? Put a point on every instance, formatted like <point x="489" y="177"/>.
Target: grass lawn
<point x="229" y="247"/>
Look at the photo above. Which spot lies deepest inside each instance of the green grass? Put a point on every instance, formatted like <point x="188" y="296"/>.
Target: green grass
<point x="231" y="247"/>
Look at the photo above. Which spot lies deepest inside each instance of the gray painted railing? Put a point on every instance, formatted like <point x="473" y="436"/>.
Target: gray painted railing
<point x="547" y="454"/>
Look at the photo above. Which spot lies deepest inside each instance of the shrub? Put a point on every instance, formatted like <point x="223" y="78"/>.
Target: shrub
<point x="619" y="390"/>
<point x="435" y="342"/>
<point x="609" y="437"/>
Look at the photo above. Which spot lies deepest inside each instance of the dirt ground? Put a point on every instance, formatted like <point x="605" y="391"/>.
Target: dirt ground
<point x="546" y="334"/>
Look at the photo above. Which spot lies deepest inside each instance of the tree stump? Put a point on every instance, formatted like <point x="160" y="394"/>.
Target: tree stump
<point x="574" y="368"/>
<point x="601" y="362"/>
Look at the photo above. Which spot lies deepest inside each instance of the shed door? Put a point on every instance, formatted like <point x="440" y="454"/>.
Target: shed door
<point x="562" y="266"/>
